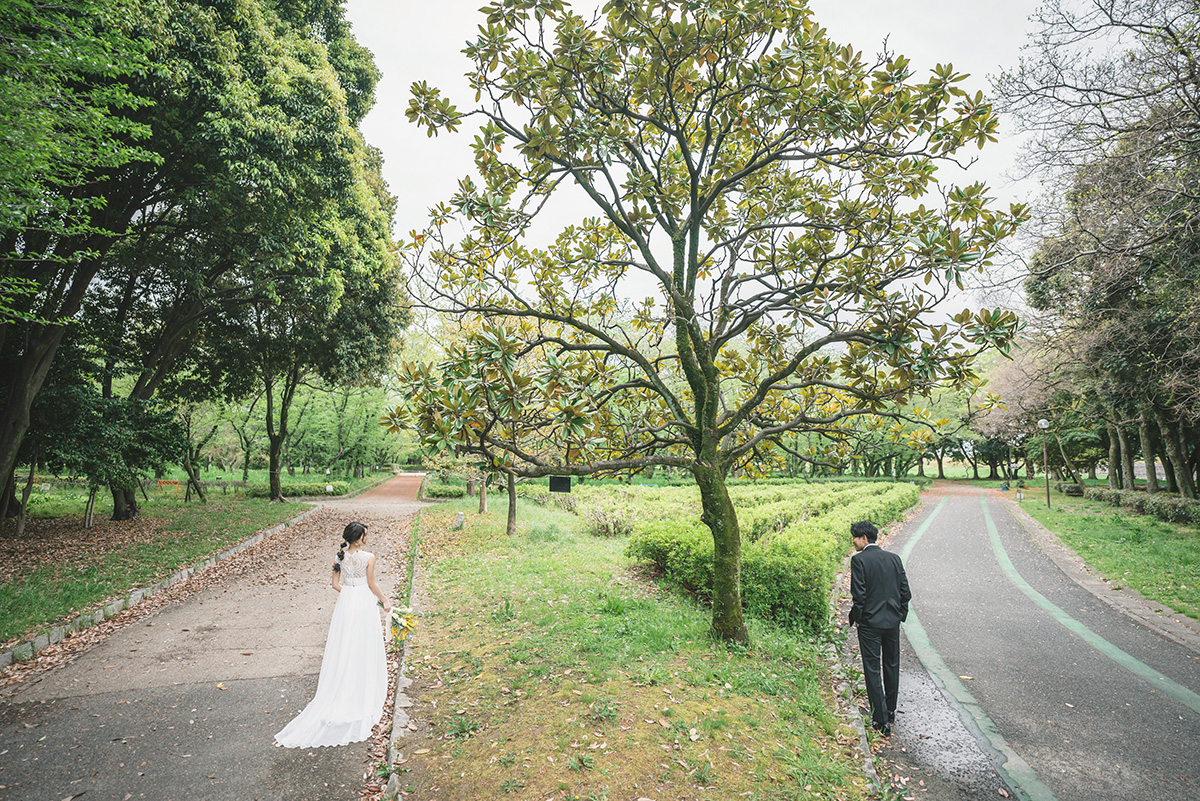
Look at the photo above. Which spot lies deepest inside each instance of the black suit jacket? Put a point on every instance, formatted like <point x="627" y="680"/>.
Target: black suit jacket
<point x="879" y="588"/>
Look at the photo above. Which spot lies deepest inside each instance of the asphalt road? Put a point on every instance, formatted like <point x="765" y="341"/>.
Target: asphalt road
<point x="1019" y="678"/>
<point x="185" y="703"/>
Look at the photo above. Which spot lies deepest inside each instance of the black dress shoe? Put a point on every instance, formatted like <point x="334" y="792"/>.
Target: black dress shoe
<point x="892" y="719"/>
<point x="884" y="729"/>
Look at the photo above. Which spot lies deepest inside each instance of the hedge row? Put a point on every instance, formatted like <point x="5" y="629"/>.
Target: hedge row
<point x="445" y="491"/>
<point x="1165" y="506"/>
<point x="300" y="490"/>
<point x="758" y="521"/>
<point x="786" y="575"/>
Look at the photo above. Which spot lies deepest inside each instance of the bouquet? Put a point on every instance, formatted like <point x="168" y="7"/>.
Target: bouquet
<point x="401" y="622"/>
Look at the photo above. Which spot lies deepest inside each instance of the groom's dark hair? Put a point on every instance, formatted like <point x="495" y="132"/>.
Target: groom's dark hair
<point x="864" y="528"/>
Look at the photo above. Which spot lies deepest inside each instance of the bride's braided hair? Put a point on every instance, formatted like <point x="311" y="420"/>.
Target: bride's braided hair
<point x="352" y="534"/>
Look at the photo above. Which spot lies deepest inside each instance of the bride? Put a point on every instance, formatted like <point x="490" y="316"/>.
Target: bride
<point x="353" y="683"/>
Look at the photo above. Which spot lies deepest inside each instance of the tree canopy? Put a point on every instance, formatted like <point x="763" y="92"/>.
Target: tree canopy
<point x="777" y="191"/>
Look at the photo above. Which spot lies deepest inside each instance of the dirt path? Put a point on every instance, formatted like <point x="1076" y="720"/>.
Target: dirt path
<point x="184" y="703"/>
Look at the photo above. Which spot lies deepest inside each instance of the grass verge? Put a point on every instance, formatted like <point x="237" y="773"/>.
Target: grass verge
<point x="70" y="569"/>
<point x="545" y="669"/>
<point x="1158" y="559"/>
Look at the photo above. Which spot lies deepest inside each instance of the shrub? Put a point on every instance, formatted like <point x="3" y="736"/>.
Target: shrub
<point x="787" y="572"/>
<point x="1162" y="505"/>
<point x="445" y="491"/>
<point x="681" y="549"/>
<point x="300" y="490"/>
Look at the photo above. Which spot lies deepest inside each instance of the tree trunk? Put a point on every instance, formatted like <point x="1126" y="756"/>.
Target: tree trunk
<point x="24" y="514"/>
<point x="483" y="496"/>
<point x="511" y="528"/>
<point x="32" y="366"/>
<point x="193" y="480"/>
<point x="1128" y="476"/>
<point x="89" y="509"/>
<point x="9" y="499"/>
<point x="277" y="434"/>
<point x="1114" y="456"/>
<point x="1176" y="465"/>
<point x="921" y="466"/>
<point x="1146" y="433"/>
<point x="728" y="622"/>
<point x="1067" y="461"/>
<point x="120" y="510"/>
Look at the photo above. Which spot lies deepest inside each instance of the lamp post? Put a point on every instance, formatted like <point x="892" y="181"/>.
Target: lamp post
<point x="1044" y="424"/>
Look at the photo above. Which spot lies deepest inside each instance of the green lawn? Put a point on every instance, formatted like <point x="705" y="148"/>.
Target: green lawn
<point x="1158" y="559"/>
<point x="547" y="666"/>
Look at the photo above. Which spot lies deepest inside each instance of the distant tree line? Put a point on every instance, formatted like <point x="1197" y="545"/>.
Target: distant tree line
<point x="1116" y="272"/>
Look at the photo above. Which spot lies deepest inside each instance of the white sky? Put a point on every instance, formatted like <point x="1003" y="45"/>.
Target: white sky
<point x="414" y="40"/>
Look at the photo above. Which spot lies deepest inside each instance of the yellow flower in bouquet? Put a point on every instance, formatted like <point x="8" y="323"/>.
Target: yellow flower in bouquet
<point x="401" y="622"/>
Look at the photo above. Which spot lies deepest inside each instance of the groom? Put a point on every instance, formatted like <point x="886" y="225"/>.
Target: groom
<point x="879" y="588"/>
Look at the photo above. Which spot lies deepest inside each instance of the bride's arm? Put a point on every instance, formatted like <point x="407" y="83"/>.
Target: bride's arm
<point x="387" y="605"/>
<point x="336" y="581"/>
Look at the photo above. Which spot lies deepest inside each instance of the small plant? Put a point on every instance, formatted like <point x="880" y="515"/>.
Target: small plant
<point x="511" y="785"/>
<point x="603" y="712"/>
<point x="507" y="759"/>
<point x="597" y="795"/>
<point x="704" y="774"/>
<point x="548" y="533"/>
<point x="505" y="613"/>
<point x="613" y="606"/>
<point x="463" y="727"/>
<point x="383" y="771"/>
<point x="581" y="762"/>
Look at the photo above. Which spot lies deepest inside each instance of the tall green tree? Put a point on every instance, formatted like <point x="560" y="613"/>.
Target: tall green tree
<point x="773" y="189"/>
<point x="70" y="122"/>
<point x="249" y="145"/>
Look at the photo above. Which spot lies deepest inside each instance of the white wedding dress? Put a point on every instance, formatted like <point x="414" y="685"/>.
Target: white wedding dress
<point x="352" y="687"/>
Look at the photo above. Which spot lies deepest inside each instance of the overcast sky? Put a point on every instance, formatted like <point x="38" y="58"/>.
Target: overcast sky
<point x="415" y="41"/>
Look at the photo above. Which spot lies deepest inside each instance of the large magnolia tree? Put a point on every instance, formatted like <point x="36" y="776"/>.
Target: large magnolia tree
<point x="774" y="190"/>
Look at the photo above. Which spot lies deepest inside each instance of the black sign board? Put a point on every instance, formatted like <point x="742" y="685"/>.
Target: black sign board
<point x="560" y="483"/>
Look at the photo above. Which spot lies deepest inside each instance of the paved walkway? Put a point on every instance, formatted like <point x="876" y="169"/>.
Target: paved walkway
<point x="184" y="704"/>
<point x="1020" y="675"/>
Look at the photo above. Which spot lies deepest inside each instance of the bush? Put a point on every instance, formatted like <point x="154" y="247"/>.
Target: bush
<point x="310" y="489"/>
<point x="445" y="491"/>
<point x="787" y="572"/>
<point x="1163" y="505"/>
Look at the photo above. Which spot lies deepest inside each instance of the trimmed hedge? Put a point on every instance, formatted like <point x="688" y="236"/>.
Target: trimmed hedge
<point x="300" y="490"/>
<point x="445" y="491"/>
<point x="786" y="573"/>
<point x="1162" y="505"/>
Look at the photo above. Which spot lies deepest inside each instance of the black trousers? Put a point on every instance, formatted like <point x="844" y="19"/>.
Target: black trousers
<point x="881" y="647"/>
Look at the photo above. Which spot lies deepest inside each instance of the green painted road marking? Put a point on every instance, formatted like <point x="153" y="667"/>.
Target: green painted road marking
<point x="1140" y="669"/>
<point x="1015" y="770"/>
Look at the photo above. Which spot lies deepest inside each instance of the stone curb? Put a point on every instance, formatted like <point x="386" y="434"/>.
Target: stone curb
<point x="402" y="702"/>
<point x="25" y="651"/>
<point x="1162" y="619"/>
<point x="838" y="658"/>
<point x="399" y="725"/>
